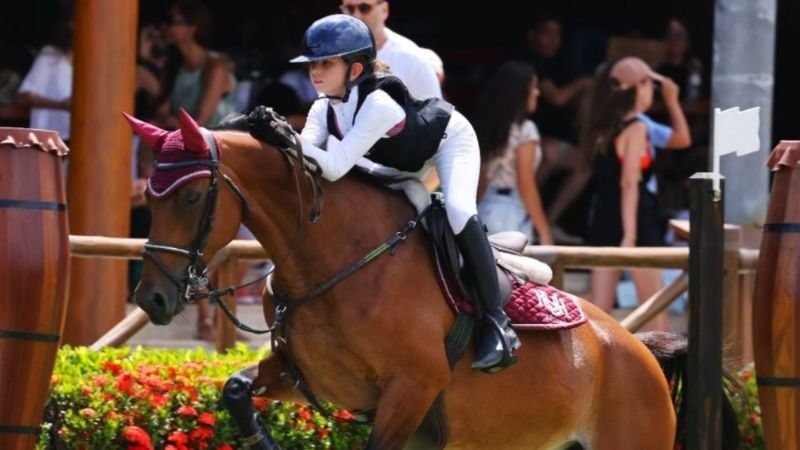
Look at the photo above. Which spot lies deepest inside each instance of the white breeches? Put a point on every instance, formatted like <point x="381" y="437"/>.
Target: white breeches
<point x="458" y="163"/>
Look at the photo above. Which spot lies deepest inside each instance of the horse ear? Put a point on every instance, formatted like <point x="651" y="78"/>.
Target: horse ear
<point x="152" y="135"/>
<point x="193" y="139"/>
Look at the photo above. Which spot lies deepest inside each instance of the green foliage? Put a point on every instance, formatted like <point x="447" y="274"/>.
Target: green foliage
<point x="748" y="411"/>
<point x="138" y="399"/>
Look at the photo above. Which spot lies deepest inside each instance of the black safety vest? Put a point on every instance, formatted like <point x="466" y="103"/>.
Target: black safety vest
<point x="421" y="135"/>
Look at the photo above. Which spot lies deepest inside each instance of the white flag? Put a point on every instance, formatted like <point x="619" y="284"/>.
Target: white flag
<point x="736" y="131"/>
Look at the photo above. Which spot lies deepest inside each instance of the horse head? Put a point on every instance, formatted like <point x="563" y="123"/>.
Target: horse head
<point x="185" y="193"/>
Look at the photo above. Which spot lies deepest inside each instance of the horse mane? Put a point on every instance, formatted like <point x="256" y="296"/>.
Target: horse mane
<point x="232" y="122"/>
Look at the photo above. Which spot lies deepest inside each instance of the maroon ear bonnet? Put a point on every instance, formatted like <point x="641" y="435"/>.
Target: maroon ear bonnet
<point x="184" y="144"/>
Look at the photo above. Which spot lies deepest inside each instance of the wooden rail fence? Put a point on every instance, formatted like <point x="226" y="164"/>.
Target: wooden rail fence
<point x="739" y="266"/>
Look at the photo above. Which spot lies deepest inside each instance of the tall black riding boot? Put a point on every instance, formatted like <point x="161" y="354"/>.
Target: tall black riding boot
<point x="496" y="339"/>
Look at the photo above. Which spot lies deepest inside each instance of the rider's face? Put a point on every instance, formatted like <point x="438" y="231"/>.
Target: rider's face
<point x="327" y="75"/>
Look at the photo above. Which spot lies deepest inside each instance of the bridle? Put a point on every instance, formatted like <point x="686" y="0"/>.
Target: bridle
<point x="195" y="283"/>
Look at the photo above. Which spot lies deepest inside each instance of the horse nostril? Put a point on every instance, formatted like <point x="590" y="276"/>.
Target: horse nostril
<point x="159" y="301"/>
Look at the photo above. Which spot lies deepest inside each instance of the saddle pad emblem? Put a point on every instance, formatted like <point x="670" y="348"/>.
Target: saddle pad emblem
<point x="554" y="304"/>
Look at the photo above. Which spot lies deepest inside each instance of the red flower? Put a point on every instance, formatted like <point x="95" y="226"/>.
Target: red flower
<point x="322" y="433"/>
<point x="88" y="412"/>
<point x="158" y="400"/>
<point x="178" y="437"/>
<point x="304" y="414"/>
<point x="112" y="367"/>
<point x="187" y="411"/>
<point x="125" y="384"/>
<point x="207" y="418"/>
<point x="224" y="447"/>
<point x="260" y="403"/>
<point x="138" y="437"/>
<point x="201" y="434"/>
<point x="100" y="380"/>
<point x="344" y="415"/>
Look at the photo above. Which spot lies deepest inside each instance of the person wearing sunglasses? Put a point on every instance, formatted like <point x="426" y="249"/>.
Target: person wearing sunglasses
<point x="405" y="59"/>
<point x="366" y="117"/>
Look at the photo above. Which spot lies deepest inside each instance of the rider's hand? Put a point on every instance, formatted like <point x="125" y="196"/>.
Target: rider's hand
<point x="269" y="126"/>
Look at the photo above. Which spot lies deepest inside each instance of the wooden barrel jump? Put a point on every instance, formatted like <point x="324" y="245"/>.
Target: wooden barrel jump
<point x="776" y="306"/>
<point x="34" y="258"/>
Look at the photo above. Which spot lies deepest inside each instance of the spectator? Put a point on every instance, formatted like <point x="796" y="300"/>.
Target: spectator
<point x="201" y="82"/>
<point x="405" y="58"/>
<point x="680" y="66"/>
<point x="195" y="78"/>
<point x="509" y="143"/>
<point x="47" y="88"/>
<point x="436" y="63"/>
<point x="150" y="59"/>
<point x="620" y="140"/>
<point x="687" y="71"/>
<point x="557" y="118"/>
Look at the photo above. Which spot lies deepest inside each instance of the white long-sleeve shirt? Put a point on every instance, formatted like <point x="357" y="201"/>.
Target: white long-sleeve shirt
<point x="378" y="117"/>
<point x="50" y="77"/>
<point x="408" y="62"/>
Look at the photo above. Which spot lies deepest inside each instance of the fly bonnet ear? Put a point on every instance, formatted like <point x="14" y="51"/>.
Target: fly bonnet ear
<point x="152" y="135"/>
<point x="193" y="139"/>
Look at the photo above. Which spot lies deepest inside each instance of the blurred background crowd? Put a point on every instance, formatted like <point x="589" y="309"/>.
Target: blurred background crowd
<point x="215" y="57"/>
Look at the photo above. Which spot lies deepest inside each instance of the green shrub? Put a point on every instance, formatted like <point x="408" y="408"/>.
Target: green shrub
<point x="138" y="399"/>
<point x="748" y="411"/>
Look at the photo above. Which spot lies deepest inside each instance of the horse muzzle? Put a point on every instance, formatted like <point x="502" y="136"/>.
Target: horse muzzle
<point x="160" y="305"/>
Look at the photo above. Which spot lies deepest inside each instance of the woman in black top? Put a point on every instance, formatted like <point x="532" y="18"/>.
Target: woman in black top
<point x="624" y="211"/>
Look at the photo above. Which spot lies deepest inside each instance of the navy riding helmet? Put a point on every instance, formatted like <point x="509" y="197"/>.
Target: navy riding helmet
<point x="340" y="35"/>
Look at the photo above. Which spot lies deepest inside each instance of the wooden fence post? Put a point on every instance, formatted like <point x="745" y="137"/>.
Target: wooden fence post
<point x="227" y="275"/>
<point x="704" y="388"/>
<point x="99" y="181"/>
<point x="737" y="320"/>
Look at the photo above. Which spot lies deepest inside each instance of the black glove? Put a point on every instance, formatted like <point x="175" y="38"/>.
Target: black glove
<point x="268" y="126"/>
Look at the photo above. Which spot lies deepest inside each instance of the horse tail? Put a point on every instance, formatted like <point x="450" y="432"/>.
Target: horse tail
<point x="672" y="351"/>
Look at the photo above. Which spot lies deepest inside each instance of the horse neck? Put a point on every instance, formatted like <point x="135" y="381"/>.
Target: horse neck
<point x="356" y="217"/>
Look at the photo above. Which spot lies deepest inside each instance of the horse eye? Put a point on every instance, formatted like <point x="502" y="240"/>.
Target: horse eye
<point x="191" y="197"/>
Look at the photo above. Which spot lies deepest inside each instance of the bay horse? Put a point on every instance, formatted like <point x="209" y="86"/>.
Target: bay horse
<point x="375" y="340"/>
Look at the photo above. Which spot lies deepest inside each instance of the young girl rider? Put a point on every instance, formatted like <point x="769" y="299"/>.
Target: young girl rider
<point x="359" y="119"/>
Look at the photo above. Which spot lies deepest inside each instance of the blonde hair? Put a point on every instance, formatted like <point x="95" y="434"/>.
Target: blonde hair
<point x="380" y="68"/>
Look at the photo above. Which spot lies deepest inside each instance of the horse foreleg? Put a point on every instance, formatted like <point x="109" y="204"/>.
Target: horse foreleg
<point x="264" y="379"/>
<point x="238" y="399"/>
<point x="401" y="408"/>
